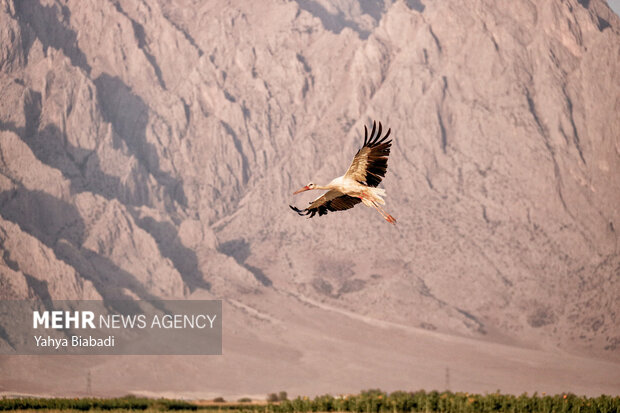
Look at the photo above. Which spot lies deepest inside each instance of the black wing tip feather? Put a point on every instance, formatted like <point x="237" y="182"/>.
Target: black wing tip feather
<point x="299" y="211"/>
<point x="385" y="136"/>
<point x="374" y="127"/>
<point x="375" y="139"/>
<point x="304" y="212"/>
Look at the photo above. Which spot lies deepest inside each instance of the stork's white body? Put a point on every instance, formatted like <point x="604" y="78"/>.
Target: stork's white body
<point x="351" y="187"/>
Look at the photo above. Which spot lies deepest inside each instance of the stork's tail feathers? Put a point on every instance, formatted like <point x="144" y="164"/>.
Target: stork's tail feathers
<point x="378" y="193"/>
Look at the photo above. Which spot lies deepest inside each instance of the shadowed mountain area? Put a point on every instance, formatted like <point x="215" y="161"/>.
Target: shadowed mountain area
<point x="150" y="150"/>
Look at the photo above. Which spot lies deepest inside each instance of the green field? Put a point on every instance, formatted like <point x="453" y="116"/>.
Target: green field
<point x="371" y="401"/>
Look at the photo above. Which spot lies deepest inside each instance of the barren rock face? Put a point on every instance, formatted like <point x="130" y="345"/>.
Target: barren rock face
<point x="150" y="149"/>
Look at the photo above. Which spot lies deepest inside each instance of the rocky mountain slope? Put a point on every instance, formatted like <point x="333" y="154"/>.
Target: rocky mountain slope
<point x="150" y="149"/>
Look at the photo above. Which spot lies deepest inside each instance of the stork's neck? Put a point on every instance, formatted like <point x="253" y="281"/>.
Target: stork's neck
<point x="334" y="184"/>
<point x="326" y="187"/>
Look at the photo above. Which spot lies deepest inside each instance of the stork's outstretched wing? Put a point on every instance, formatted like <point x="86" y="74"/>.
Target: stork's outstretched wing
<point x="332" y="200"/>
<point x="370" y="162"/>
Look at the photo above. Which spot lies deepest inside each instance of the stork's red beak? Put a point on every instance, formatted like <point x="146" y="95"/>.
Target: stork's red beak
<point x="305" y="188"/>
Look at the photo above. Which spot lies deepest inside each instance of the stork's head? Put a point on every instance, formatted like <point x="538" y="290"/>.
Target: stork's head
<point x="305" y="188"/>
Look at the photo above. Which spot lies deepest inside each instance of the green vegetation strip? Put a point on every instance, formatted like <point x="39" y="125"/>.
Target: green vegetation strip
<point x="371" y="401"/>
<point x="127" y="403"/>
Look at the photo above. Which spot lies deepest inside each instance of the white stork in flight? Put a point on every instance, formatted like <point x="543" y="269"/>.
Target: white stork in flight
<point x="359" y="183"/>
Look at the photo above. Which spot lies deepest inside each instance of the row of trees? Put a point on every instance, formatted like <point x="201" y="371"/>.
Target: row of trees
<point x="376" y="401"/>
<point x="91" y="403"/>
<point x="370" y="401"/>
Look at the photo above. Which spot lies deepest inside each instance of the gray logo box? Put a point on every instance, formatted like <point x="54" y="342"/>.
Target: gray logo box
<point x="111" y="327"/>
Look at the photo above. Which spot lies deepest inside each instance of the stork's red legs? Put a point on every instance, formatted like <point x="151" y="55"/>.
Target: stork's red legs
<point x="385" y="215"/>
